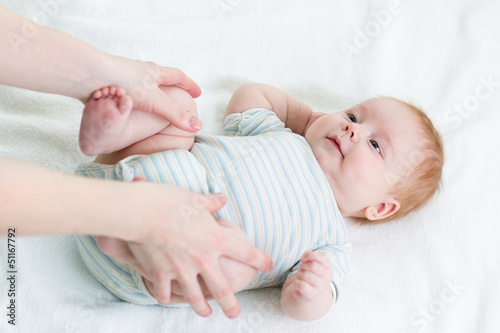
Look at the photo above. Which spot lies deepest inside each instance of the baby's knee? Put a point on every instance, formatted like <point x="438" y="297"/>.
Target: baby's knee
<point x="174" y="138"/>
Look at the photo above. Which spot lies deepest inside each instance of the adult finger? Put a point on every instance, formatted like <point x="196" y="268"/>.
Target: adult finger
<point x="178" y="298"/>
<point x="220" y="290"/>
<point x="168" y="109"/>
<point x="120" y="251"/>
<point x="158" y="274"/>
<point x="211" y="202"/>
<point x="169" y="76"/>
<point x="245" y="252"/>
<point x="227" y="224"/>
<point x="194" y="296"/>
<point x="162" y="288"/>
<point x="177" y="291"/>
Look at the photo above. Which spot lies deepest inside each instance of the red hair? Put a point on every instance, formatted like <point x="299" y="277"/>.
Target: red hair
<point x="416" y="186"/>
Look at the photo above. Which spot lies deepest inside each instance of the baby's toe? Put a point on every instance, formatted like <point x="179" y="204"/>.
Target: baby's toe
<point x="125" y="104"/>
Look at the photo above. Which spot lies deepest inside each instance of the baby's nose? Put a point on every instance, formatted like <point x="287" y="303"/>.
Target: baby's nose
<point x="353" y="132"/>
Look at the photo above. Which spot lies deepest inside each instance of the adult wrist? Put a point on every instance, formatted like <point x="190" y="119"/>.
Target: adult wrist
<point x="134" y="76"/>
<point x="99" y="71"/>
<point x="107" y="208"/>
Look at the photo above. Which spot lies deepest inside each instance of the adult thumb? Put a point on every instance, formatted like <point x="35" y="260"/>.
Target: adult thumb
<point x="212" y="202"/>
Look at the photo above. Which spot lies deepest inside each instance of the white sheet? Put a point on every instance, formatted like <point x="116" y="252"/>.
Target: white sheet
<point x="433" y="271"/>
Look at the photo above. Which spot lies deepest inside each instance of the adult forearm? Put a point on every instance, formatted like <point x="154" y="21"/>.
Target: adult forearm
<point x="39" y="58"/>
<point x="40" y="201"/>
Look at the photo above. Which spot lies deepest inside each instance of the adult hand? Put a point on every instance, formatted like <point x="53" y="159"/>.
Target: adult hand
<point x="143" y="82"/>
<point x="165" y="243"/>
<point x="180" y="241"/>
<point x="58" y="63"/>
<point x="238" y="275"/>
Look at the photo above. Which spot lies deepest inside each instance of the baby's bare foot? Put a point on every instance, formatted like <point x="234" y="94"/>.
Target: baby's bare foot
<point x="105" y="121"/>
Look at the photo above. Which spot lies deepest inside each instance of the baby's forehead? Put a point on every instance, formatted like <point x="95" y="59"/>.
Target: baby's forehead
<point x="384" y="102"/>
<point x="388" y="109"/>
<point x="394" y="119"/>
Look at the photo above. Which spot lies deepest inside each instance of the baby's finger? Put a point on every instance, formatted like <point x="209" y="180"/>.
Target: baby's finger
<point x="302" y="290"/>
<point x="319" y="257"/>
<point x="313" y="266"/>
<point x="310" y="277"/>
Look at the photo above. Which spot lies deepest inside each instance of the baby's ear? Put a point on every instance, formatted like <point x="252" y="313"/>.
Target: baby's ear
<point x="382" y="210"/>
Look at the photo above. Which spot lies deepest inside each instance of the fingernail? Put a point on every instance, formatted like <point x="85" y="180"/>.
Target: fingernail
<point x="207" y="314"/>
<point x="233" y="315"/>
<point x="195" y="123"/>
<point x="164" y="301"/>
<point x="220" y="196"/>
<point x="269" y="268"/>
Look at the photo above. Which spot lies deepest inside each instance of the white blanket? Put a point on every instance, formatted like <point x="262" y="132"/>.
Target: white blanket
<point x="435" y="270"/>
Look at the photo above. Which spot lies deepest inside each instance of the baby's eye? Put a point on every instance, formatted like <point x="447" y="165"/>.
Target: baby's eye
<point x="352" y="118"/>
<point x="375" y="145"/>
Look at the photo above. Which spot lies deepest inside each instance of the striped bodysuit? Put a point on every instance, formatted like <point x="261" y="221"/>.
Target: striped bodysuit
<point x="277" y="193"/>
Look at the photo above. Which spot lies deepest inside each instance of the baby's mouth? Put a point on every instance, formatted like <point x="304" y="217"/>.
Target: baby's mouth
<point x="336" y="143"/>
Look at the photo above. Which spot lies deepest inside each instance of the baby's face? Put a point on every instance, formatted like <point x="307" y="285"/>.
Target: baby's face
<point x="362" y="151"/>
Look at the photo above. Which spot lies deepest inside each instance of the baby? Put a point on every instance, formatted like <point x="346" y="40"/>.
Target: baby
<point x="289" y="173"/>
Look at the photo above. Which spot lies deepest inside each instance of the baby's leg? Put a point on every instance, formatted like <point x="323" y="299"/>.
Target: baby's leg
<point x="167" y="138"/>
<point x="147" y="133"/>
<point x="109" y="125"/>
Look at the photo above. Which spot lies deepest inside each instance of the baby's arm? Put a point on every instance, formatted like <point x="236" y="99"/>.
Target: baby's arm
<point x="307" y="295"/>
<point x="296" y="115"/>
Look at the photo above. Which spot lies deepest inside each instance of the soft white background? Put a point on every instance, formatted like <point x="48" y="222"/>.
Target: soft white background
<point x="434" y="271"/>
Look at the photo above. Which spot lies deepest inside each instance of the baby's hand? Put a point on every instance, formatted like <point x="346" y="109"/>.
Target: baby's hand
<point x="314" y="275"/>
